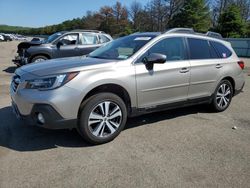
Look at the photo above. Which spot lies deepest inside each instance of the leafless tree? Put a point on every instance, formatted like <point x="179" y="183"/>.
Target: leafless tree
<point x="134" y="13"/>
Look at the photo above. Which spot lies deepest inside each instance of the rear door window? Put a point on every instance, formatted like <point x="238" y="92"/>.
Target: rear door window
<point x="199" y="49"/>
<point x="89" y="39"/>
<point x="213" y="52"/>
<point x="104" y="39"/>
<point x="222" y="50"/>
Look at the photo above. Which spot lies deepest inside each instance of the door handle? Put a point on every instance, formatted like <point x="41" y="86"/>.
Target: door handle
<point x="184" y="70"/>
<point x="218" y="66"/>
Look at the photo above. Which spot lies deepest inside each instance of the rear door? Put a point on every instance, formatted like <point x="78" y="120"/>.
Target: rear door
<point x="168" y="82"/>
<point x="88" y="43"/>
<point x="206" y="68"/>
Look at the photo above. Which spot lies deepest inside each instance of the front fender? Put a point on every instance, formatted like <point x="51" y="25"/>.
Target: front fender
<point x="121" y="76"/>
<point x="38" y="50"/>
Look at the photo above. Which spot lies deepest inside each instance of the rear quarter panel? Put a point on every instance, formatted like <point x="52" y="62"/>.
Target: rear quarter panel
<point x="233" y="70"/>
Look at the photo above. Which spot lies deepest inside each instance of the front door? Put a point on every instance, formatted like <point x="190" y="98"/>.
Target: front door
<point x="165" y="83"/>
<point x="68" y="47"/>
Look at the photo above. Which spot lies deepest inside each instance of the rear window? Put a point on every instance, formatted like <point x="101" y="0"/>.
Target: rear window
<point x="199" y="49"/>
<point x="222" y="50"/>
<point x="104" y="39"/>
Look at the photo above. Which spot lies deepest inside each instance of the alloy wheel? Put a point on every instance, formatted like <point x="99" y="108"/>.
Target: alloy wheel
<point x="105" y="119"/>
<point x="39" y="60"/>
<point x="223" y="96"/>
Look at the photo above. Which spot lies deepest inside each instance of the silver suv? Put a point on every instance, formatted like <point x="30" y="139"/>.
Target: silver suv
<point x="130" y="76"/>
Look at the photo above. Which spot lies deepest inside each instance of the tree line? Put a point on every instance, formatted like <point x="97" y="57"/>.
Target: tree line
<point x="231" y="18"/>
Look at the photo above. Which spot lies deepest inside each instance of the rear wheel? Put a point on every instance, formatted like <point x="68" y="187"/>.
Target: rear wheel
<point x="38" y="58"/>
<point x="102" y="118"/>
<point x="222" y="96"/>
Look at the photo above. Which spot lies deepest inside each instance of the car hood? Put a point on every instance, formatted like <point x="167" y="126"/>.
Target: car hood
<point x="25" y="45"/>
<point x="62" y="65"/>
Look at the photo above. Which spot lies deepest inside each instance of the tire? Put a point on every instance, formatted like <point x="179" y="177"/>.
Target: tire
<point x="38" y="58"/>
<point x="96" y="124"/>
<point x="222" y="96"/>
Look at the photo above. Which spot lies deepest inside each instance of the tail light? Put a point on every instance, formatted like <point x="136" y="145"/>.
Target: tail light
<point x="241" y="64"/>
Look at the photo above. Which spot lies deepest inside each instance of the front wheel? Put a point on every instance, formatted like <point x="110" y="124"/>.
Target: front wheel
<point x="222" y="96"/>
<point x="38" y="58"/>
<point x="102" y="117"/>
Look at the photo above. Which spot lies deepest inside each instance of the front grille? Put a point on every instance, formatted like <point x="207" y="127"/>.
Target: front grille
<point x="15" y="82"/>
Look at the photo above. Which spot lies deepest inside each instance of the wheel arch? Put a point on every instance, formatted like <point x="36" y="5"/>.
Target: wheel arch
<point x="111" y="88"/>
<point x="231" y="80"/>
<point x="39" y="54"/>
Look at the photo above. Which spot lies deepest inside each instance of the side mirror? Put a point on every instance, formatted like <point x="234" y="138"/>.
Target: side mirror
<point x="59" y="44"/>
<point x="153" y="58"/>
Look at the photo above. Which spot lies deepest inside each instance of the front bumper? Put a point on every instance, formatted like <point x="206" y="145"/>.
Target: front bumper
<point x="59" y="107"/>
<point x="53" y="120"/>
<point x="20" y="61"/>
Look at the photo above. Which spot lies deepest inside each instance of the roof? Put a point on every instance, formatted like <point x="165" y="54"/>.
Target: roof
<point x="192" y="32"/>
<point x="181" y="31"/>
<point x="148" y="34"/>
<point x="84" y="30"/>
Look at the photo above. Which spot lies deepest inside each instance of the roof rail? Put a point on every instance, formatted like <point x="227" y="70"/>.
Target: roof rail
<point x="191" y="31"/>
<point x="181" y="30"/>
<point x="214" y="35"/>
<point x="86" y="30"/>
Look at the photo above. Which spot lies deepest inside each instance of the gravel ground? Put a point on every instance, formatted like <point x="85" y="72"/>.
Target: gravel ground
<point x="187" y="147"/>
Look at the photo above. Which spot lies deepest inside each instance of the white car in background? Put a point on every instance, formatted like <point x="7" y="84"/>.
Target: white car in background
<point x="1" y="38"/>
<point x="21" y="37"/>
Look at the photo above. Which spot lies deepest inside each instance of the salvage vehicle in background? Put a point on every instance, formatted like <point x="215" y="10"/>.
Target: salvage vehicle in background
<point x="61" y="44"/>
<point x="23" y="46"/>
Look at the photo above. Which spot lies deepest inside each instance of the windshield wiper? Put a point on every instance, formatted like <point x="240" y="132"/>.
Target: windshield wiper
<point x="97" y="57"/>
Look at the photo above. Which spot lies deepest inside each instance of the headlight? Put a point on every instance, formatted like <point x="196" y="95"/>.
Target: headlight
<point x="52" y="82"/>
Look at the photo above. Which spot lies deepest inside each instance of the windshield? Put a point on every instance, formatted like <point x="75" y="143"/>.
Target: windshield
<point x="122" y="48"/>
<point x="52" y="37"/>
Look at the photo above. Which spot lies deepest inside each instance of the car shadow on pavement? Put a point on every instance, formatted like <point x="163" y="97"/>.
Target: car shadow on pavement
<point x="165" y="115"/>
<point x="11" y="69"/>
<point x="16" y="135"/>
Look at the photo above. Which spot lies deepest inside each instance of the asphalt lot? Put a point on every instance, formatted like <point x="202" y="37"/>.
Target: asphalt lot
<point x="189" y="147"/>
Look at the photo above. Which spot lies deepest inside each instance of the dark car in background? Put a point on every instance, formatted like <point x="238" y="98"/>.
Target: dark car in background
<point x="5" y="37"/>
<point x="23" y="46"/>
<point x="61" y="44"/>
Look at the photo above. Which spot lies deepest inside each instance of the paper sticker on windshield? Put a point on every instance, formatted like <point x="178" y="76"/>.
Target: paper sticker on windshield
<point x="142" y="38"/>
<point x="224" y="55"/>
<point x="122" y="57"/>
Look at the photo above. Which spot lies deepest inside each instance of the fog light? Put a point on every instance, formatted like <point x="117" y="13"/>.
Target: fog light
<point x="40" y="118"/>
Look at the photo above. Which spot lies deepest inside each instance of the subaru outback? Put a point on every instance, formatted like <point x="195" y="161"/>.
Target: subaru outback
<point x="130" y="76"/>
